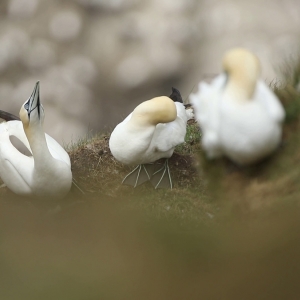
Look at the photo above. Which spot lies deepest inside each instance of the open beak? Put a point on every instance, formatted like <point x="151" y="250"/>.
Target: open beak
<point x="34" y="101"/>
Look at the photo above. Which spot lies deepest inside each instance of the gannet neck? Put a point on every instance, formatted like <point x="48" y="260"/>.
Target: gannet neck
<point x="38" y="144"/>
<point x="154" y="111"/>
<point x="243" y="70"/>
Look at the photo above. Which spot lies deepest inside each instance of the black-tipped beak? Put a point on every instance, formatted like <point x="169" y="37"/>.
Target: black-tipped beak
<point x="34" y="101"/>
<point x="175" y="96"/>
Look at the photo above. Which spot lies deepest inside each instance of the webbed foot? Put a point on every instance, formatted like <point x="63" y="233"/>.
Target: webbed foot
<point x="139" y="175"/>
<point x="162" y="177"/>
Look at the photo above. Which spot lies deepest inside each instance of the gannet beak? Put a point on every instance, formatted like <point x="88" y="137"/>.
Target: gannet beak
<point x="34" y="101"/>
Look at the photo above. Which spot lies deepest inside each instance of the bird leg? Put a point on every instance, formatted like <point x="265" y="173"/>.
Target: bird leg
<point x="162" y="177"/>
<point x="138" y="175"/>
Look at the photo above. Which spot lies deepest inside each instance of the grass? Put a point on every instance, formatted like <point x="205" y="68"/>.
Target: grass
<point x="221" y="233"/>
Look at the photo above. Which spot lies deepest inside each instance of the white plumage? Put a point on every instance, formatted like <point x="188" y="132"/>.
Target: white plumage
<point x="149" y="133"/>
<point x="141" y="145"/>
<point x="47" y="172"/>
<point x="239" y="115"/>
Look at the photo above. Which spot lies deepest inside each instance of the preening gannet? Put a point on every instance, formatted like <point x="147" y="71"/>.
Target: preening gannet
<point x="149" y="133"/>
<point x="239" y="115"/>
<point x="47" y="173"/>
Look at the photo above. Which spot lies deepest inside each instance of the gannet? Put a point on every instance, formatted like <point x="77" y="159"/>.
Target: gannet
<point x="240" y="117"/>
<point x="148" y="134"/>
<point x="47" y="173"/>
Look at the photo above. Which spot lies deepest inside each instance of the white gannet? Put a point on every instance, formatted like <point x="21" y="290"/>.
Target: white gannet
<point x="240" y="117"/>
<point x="47" y="173"/>
<point x="149" y="133"/>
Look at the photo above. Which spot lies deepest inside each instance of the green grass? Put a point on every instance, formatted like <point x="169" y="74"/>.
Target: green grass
<point x="192" y="140"/>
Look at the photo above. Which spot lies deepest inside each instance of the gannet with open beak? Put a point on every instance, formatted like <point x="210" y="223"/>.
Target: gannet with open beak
<point x="47" y="173"/>
<point x="239" y="115"/>
<point x="148" y="134"/>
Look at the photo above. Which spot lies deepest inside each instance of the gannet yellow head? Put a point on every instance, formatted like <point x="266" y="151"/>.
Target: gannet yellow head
<point x="243" y="69"/>
<point x="157" y="110"/>
<point x="32" y="111"/>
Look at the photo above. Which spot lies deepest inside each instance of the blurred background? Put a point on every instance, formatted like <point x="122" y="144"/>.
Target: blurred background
<point x="97" y="59"/>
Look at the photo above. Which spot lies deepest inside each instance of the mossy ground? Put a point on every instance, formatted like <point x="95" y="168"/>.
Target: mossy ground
<point x="223" y="232"/>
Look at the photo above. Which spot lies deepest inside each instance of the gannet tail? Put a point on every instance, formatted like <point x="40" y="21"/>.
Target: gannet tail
<point x="176" y="96"/>
<point x="7" y="116"/>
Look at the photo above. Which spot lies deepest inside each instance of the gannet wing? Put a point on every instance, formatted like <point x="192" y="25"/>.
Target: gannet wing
<point x="15" y="168"/>
<point x="168" y="135"/>
<point x="57" y="151"/>
<point x="15" y="128"/>
<point x="206" y="103"/>
<point x="272" y="104"/>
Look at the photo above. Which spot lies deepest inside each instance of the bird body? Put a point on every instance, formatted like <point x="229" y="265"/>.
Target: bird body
<point x="150" y="132"/>
<point x="239" y="115"/>
<point x="47" y="172"/>
<point x="133" y="144"/>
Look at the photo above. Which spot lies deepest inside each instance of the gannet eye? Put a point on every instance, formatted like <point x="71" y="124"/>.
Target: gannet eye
<point x="26" y="106"/>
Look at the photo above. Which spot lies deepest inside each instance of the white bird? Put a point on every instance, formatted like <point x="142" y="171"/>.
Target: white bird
<point x="47" y="173"/>
<point x="240" y="117"/>
<point x="149" y="133"/>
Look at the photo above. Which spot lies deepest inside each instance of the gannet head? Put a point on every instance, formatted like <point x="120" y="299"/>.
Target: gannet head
<point x="243" y="70"/>
<point x="157" y="110"/>
<point x="32" y="111"/>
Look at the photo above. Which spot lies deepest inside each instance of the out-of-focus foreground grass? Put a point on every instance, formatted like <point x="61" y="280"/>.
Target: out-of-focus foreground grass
<point x="221" y="233"/>
<point x="99" y="251"/>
